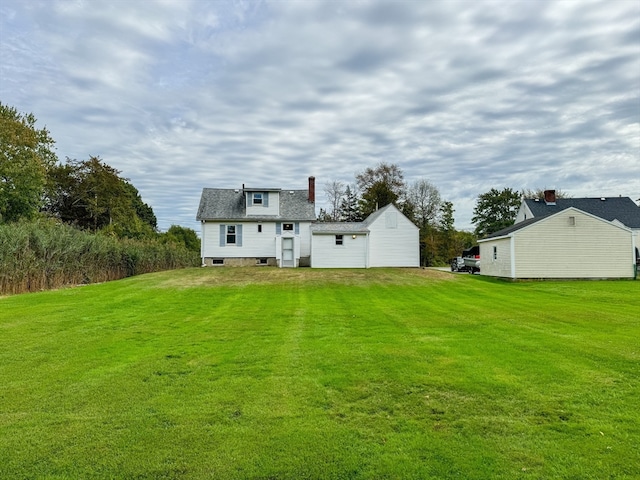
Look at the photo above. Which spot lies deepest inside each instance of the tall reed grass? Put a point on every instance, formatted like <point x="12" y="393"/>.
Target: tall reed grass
<point x="46" y="254"/>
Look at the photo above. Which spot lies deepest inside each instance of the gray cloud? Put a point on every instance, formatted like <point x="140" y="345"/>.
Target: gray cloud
<point x="181" y="95"/>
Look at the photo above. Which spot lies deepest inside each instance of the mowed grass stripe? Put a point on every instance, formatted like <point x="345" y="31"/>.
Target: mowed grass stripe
<point x="265" y="373"/>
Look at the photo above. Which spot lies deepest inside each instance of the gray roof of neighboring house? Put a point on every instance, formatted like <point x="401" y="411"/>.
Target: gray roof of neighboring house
<point x="339" y="228"/>
<point x="622" y="209"/>
<point x="513" y="228"/>
<point x="229" y="204"/>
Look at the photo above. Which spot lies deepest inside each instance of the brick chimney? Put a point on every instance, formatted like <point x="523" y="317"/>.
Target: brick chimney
<point x="550" y="197"/>
<point x="312" y="189"/>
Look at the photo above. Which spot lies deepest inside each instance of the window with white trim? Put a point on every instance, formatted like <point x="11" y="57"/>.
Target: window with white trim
<point x="257" y="198"/>
<point x="231" y="234"/>
<point x="339" y="240"/>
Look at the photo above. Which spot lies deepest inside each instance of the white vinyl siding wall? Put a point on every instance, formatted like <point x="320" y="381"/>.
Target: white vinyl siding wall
<point x="351" y="254"/>
<point x="254" y="244"/>
<point x="500" y="266"/>
<point x="270" y="199"/>
<point x="592" y="248"/>
<point x="393" y="247"/>
<point x="558" y="247"/>
<point x="305" y="239"/>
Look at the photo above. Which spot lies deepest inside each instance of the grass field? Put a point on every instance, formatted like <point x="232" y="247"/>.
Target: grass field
<point x="265" y="373"/>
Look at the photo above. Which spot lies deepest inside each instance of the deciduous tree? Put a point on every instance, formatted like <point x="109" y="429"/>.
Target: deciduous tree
<point x="26" y="154"/>
<point x="380" y="186"/>
<point x="92" y="195"/>
<point x="495" y="210"/>
<point x="334" y="191"/>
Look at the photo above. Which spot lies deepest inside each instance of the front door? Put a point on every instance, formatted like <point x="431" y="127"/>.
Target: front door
<point x="287" y="252"/>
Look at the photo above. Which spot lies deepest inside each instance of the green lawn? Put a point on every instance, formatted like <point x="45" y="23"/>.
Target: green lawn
<point x="263" y="373"/>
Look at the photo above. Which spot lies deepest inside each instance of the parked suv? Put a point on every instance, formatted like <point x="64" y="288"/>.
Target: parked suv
<point x="457" y="264"/>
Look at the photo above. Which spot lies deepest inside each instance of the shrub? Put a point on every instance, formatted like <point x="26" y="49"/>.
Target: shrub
<point x="46" y="254"/>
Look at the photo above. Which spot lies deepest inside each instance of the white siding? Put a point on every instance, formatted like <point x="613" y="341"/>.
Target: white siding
<point x="273" y="207"/>
<point x="500" y="266"/>
<point x="326" y="254"/>
<point x="587" y="247"/>
<point x="254" y="244"/>
<point x="305" y="239"/>
<point x="524" y="213"/>
<point x="394" y="241"/>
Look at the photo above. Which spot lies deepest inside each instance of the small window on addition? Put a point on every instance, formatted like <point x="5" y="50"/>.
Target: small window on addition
<point x="572" y="221"/>
<point x="495" y="253"/>
<point x="339" y="239"/>
<point x="259" y="228"/>
<point x="287" y="227"/>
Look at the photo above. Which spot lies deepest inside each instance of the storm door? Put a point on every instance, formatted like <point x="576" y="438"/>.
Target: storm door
<point x="287" y="252"/>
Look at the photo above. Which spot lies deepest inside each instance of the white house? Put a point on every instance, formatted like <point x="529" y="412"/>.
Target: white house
<point x="263" y="226"/>
<point x="386" y="238"/>
<point x="271" y="226"/>
<point x="566" y="238"/>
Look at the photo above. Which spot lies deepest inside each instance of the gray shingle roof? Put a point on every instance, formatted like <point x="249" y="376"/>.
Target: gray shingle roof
<point x="622" y="209"/>
<point x="229" y="204"/>
<point x="513" y="228"/>
<point x="339" y="228"/>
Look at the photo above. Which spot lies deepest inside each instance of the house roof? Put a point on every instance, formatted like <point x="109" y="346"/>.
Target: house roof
<point x="229" y="204"/>
<point x="339" y="228"/>
<point x="530" y="221"/>
<point x="622" y="209"/>
<point x="513" y="228"/>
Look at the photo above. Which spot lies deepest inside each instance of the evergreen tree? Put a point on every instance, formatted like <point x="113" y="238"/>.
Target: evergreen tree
<point x="350" y="207"/>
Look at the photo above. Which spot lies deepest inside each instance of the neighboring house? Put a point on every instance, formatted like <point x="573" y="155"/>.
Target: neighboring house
<point x="270" y="226"/>
<point x="386" y="238"/>
<point x="263" y="226"/>
<point x="566" y="238"/>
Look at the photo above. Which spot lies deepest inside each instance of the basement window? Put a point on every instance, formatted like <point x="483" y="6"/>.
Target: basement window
<point x="339" y="239"/>
<point x="217" y="261"/>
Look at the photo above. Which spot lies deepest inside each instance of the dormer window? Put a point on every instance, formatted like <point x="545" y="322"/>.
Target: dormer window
<point x="257" y="198"/>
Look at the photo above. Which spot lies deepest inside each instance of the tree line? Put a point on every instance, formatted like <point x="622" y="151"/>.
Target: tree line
<point x="88" y="196"/>
<point x="423" y="204"/>
<point x="420" y="201"/>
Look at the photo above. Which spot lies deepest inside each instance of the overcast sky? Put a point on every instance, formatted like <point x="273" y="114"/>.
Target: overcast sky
<point x="180" y="95"/>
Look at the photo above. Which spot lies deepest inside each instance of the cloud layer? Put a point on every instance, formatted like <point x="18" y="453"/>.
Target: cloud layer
<point x="181" y="95"/>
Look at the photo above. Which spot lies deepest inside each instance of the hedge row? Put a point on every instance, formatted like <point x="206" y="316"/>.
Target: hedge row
<point x="45" y="255"/>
